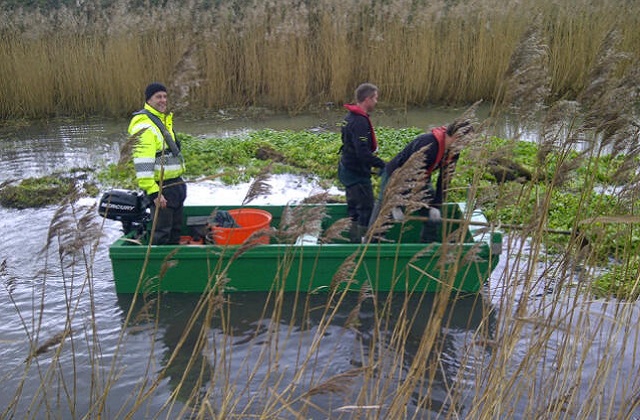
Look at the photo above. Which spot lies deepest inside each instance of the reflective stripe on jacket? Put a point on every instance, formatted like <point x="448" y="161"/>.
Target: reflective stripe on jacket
<point x="151" y="155"/>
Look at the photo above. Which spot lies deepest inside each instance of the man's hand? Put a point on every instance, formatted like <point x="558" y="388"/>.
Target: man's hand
<point x="160" y="201"/>
<point x="434" y="214"/>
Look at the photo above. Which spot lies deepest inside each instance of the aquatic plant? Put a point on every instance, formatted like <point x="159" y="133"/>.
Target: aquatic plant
<point x="47" y="190"/>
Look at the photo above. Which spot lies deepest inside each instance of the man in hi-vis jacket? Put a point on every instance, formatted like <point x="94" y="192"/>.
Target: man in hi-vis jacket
<point x="159" y="164"/>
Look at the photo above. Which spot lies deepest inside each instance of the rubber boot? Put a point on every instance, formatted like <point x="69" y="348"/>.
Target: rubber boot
<point x="431" y="232"/>
<point x="356" y="233"/>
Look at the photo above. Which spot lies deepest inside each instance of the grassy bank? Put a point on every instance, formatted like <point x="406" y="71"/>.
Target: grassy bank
<point x="88" y="59"/>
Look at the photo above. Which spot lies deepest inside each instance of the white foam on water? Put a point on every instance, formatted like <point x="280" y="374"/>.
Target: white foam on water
<point x="284" y="189"/>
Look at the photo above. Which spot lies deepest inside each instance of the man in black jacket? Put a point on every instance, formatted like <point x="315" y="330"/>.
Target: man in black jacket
<point x="437" y="155"/>
<point x="359" y="148"/>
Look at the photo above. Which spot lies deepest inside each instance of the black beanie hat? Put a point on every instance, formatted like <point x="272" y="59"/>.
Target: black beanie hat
<point x="152" y="89"/>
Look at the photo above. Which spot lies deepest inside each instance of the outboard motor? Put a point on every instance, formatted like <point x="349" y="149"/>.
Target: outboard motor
<point x="128" y="207"/>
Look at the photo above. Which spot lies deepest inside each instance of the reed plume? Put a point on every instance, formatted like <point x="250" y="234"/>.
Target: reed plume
<point x="345" y="275"/>
<point x="168" y="263"/>
<point x="366" y="292"/>
<point x="74" y="227"/>
<point x="145" y="315"/>
<point x="47" y="345"/>
<point x="128" y="147"/>
<point x="405" y="189"/>
<point x="336" y="230"/>
<point x="186" y="76"/>
<point x="608" y="99"/>
<point x="337" y="384"/>
<point x="302" y="219"/>
<point x="527" y="83"/>
<point x="8" y="281"/>
<point x="259" y="186"/>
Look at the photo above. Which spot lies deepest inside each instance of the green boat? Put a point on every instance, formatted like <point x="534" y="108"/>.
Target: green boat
<point x="294" y="251"/>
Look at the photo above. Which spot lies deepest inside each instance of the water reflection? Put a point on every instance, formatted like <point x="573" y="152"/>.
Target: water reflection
<point x="42" y="148"/>
<point x="38" y="148"/>
<point x="257" y="347"/>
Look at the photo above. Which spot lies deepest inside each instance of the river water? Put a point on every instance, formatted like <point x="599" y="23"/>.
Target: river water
<point x="45" y="293"/>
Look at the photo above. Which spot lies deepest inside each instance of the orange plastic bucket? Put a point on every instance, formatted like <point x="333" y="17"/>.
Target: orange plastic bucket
<point x="250" y="221"/>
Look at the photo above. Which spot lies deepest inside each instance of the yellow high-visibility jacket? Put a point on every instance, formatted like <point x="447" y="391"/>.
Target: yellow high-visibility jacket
<point x="153" y="159"/>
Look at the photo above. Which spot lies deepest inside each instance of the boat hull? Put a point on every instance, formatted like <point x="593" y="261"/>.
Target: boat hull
<point x="403" y="264"/>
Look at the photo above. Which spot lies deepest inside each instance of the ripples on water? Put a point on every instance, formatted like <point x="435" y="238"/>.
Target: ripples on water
<point x="45" y="148"/>
<point x="33" y="302"/>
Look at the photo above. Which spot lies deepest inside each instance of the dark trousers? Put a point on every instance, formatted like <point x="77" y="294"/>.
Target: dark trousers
<point x="169" y="219"/>
<point x="384" y="178"/>
<point x="360" y="203"/>
<point x="359" y="194"/>
<point x="359" y="207"/>
<point x="431" y="231"/>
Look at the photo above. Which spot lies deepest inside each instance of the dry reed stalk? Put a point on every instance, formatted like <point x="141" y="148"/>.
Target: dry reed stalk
<point x="420" y="364"/>
<point x="432" y="52"/>
<point x="193" y="340"/>
<point x="503" y="390"/>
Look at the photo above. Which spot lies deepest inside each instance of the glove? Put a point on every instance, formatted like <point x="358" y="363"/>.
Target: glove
<point x="434" y="214"/>
<point x="397" y="213"/>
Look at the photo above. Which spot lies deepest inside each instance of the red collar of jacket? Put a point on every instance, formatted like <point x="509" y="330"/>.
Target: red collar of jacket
<point x="359" y="111"/>
<point x="439" y="133"/>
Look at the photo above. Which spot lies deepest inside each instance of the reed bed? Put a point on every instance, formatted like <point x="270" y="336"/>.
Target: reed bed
<point x="289" y="55"/>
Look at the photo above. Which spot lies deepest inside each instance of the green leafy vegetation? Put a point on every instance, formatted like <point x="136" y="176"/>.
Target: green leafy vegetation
<point x="622" y="281"/>
<point x="45" y="191"/>
<point x="241" y="158"/>
<point x="514" y="203"/>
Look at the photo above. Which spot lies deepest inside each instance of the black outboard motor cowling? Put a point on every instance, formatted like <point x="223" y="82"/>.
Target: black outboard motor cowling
<point x="128" y="207"/>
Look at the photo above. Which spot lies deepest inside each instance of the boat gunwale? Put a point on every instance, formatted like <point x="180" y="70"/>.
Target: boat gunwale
<point x="479" y="235"/>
